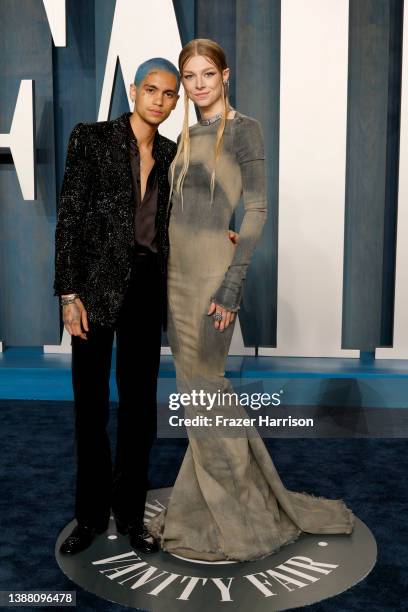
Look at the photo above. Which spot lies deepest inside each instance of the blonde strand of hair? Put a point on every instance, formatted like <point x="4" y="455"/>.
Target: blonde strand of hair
<point x="218" y="141"/>
<point x="184" y="147"/>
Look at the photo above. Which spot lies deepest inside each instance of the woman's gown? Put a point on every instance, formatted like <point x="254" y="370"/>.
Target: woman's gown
<point x="228" y="501"/>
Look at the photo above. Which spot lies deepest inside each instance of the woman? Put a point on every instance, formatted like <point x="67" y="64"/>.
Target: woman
<point x="228" y="501"/>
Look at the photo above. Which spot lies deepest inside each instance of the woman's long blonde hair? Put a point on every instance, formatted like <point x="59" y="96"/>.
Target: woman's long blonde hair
<point x="211" y="50"/>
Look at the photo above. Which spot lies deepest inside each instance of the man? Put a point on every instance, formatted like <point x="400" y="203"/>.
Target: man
<point x="111" y="250"/>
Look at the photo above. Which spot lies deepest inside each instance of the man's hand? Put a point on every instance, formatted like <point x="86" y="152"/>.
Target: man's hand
<point x="233" y="236"/>
<point x="75" y="319"/>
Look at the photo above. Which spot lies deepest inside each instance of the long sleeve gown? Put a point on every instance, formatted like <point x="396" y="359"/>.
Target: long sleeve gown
<point x="228" y="501"/>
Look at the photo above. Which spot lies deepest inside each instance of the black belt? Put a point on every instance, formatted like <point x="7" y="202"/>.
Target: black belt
<point x="139" y="250"/>
<point x="144" y="256"/>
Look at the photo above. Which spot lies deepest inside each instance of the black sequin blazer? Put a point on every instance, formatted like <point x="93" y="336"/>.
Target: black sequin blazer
<point x="95" y="225"/>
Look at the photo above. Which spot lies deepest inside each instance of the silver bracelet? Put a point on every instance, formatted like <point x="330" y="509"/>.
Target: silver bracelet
<point x="69" y="299"/>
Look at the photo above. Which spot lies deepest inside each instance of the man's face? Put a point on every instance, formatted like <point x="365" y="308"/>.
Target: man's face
<point x="156" y="96"/>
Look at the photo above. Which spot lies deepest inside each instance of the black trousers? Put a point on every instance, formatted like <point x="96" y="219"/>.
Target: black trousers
<point x="122" y="486"/>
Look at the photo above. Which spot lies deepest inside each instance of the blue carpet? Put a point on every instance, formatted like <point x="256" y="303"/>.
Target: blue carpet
<point x="37" y="459"/>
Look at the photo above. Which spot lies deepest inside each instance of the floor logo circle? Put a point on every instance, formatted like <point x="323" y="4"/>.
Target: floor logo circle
<point x="313" y="568"/>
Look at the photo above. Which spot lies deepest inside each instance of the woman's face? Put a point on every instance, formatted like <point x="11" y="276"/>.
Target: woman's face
<point x="202" y="81"/>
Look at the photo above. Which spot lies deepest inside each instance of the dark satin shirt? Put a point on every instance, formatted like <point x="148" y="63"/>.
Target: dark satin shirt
<point x="145" y="210"/>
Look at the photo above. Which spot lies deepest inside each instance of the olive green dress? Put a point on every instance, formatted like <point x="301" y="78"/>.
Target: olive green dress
<point x="228" y="501"/>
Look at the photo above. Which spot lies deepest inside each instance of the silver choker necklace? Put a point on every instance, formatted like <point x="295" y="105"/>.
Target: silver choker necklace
<point x="210" y="120"/>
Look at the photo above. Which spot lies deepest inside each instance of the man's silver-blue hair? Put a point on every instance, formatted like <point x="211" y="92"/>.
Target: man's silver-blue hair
<point x="156" y="63"/>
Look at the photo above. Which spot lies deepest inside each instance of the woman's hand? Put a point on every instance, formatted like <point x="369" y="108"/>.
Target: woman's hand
<point x="233" y="236"/>
<point x="227" y="316"/>
<point x="75" y="319"/>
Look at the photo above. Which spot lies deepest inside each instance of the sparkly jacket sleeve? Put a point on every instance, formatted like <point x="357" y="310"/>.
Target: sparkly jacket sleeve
<point x="249" y="149"/>
<point x="75" y="192"/>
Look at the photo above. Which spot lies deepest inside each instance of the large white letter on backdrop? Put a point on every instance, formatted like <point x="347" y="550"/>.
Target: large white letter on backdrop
<point x="313" y="124"/>
<point x="56" y="15"/>
<point x="20" y="139"/>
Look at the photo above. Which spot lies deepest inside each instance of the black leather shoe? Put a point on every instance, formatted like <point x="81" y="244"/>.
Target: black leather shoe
<point x="141" y="540"/>
<point x="80" y="538"/>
